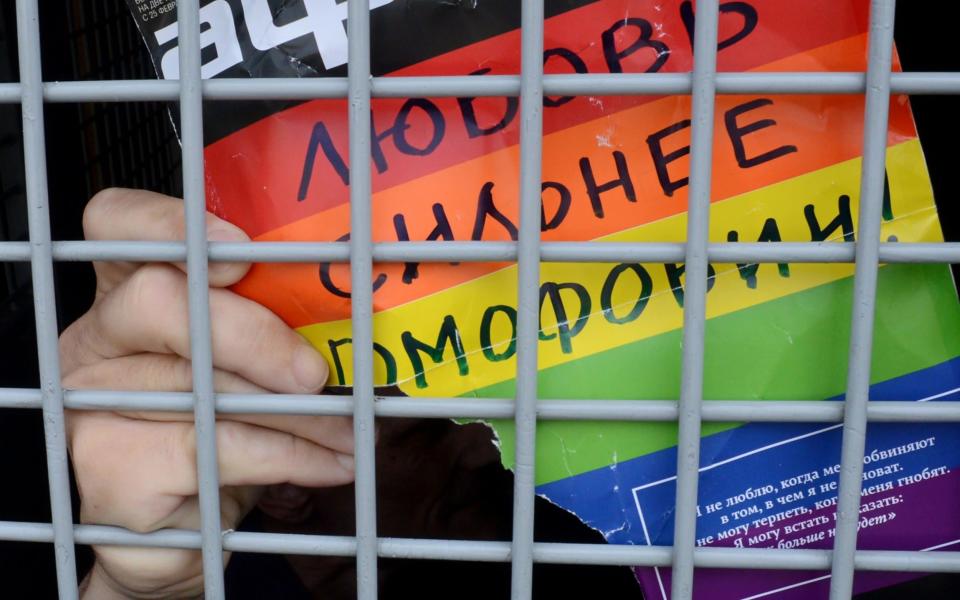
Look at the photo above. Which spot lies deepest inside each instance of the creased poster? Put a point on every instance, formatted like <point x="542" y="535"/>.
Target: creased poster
<point x="615" y="169"/>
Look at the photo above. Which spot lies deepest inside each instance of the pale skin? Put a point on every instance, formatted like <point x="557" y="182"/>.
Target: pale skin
<point x="138" y="469"/>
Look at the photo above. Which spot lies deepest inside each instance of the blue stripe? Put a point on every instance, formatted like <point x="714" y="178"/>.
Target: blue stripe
<point x="605" y="499"/>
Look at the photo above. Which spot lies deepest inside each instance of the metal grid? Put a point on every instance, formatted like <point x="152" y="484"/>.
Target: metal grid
<point x="130" y="142"/>
<point x="703" y="83"/>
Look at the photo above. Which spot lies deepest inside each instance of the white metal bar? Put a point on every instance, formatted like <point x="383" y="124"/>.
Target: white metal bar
<point x="776" y="411"/>
<point x="864" y="296"/>
<point x="912" y="561"/>
<point x="528" y="297"/>
<point x="44" y="298"/>
<point x="593" y="84"/>
<point x="201" y="354"/>
<point x="582" y="252"/>
<point x="695" y="297"/>
<point x="361" y="274"/>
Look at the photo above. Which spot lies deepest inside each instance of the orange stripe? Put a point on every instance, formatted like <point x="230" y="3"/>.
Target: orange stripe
<point x="825" y="129"/>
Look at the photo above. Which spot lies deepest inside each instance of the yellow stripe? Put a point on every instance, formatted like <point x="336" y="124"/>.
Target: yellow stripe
<point x="915" y="220"/>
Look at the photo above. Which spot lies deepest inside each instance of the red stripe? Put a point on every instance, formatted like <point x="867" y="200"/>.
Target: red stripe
<point x="254" y="175"/>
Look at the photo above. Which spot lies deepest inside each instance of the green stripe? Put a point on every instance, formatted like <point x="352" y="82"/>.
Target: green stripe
<point x="790" y="348"/>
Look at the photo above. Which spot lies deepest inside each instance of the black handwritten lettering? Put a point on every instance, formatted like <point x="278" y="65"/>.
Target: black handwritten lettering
<point x="486" y="322"/>
<point x="614" y="56"/>
<point x="743" y="9"/>
<point x="441" y="230"/>
<point x="737" y="132"/>
<point x="565" y="332"/>
<point x="320" y="138"/>
<point x="843" y="221"/>
<point x="594" y="190"/>
<point x="674" y="278"/>
<point x="485" y="208"/>
<point x="887" y="205"/>
<point x="662" y="161"/>
<point x="606" y="293"/>
<point x="331" y="287"/>
<point x="449" y="333"/>
<point x="469" y="113"/>
<point x="563" y="205"/>
<point x="388" y="360"/>
<point x="769" y="233"/>
<point x="398" y="131"/>
<point x="574" y="61"/>
<point x="376" y="148"/>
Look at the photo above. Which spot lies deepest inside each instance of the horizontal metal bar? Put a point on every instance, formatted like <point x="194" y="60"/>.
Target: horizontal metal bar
<point x="496" y="551"/>
<point x="427" y="549"/>
<point x="925" y="83"/>
<point x="579" y="252"/>
<point x="919" y="83"/>
<point x="138" y="251"/>
<point x="285" y="543"/>
<point x="148" y="90"/>
<point x="10" y="93"/>
<point x="729" y="252"/>
<point x="20" y="398"/>
<point x="777" y="411"/>
<point x="101" y="534"/>
<point x="589" y="84"/>
<point x="446" y="86"/>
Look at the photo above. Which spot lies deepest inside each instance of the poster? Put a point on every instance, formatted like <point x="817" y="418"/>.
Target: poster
<point x="615" y="169"/>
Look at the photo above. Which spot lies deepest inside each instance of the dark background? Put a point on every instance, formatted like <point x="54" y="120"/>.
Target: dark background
<point x="92" y="146"/>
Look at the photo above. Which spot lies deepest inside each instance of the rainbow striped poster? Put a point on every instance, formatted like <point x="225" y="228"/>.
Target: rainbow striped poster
<point x="786" y="168"/>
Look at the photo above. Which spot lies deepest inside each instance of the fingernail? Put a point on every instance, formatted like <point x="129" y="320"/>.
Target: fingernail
<point x="346" y="461"/>
<point x="224" y="232"/>
<point x="309" y="368"/>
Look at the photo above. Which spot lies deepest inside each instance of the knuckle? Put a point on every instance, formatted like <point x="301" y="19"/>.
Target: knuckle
<point x="152" y="289"/>
<point x="162" y="371"/>
<point x="178" y="371"/>
<point x="229" y="433"/>
<point x="81" y="452"/>
<point x="79" y="346"/>
<point x="181" y="447"/>
<point x="263" y="329"/>
<point x="79" y="379"/>
<point x="165" y="217"/>
<point x="294" y="451"/>
<point x="69" y="344"/>
<point x="100" y="210"/>
<point x="158" y="216"/>
<point x="91" y="464"/>
<point x="231" y="437"/>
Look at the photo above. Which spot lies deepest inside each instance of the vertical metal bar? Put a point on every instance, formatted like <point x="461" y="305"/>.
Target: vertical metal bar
<point x="695" y="296"/>
<point x="864" y="295"/>
<point x="44" y="298"/>
<point x="194" y="198"/>
<point x="528" y="295"/>
<point x="361" y="313"/>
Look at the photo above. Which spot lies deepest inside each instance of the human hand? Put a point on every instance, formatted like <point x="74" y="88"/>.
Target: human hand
<point x="138" y="469"/>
